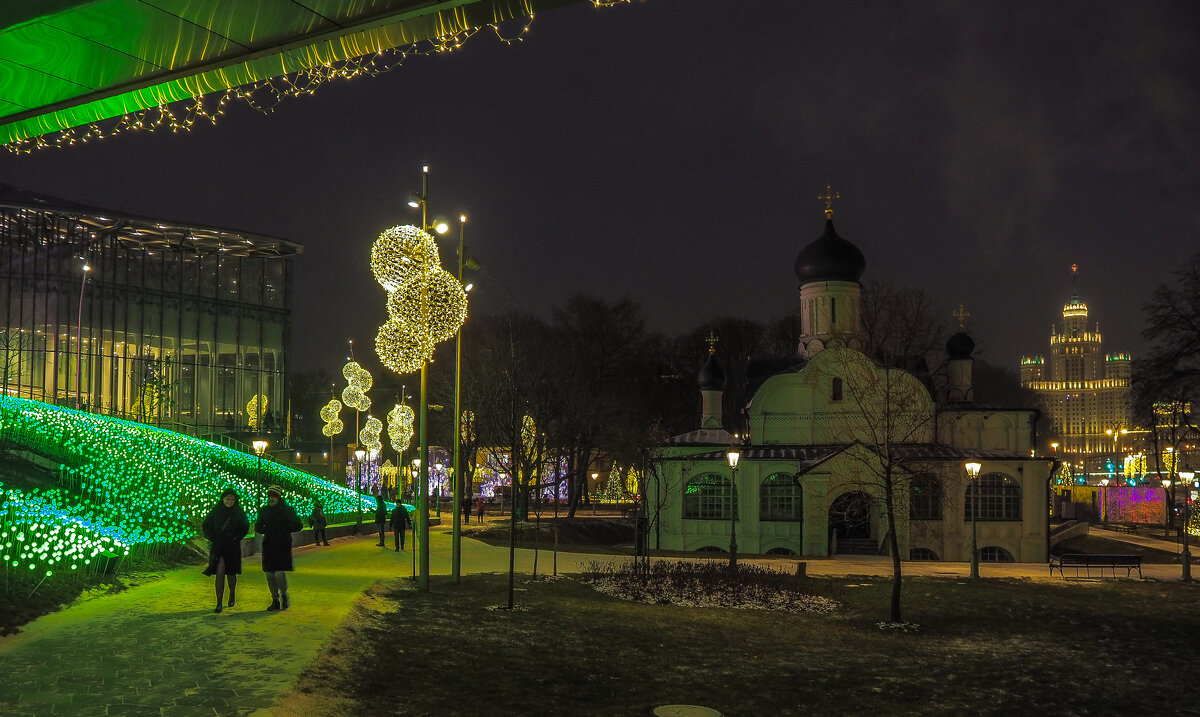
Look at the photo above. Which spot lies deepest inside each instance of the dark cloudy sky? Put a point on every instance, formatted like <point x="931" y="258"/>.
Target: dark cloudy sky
<point x="672" y="151"/>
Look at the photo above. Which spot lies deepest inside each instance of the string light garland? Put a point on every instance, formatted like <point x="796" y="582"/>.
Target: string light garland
<point x="263" y="96"/>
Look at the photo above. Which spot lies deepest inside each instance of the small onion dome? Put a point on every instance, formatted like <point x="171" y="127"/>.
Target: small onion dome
<point x="960" y="346"/>
<point x="711" y="377"/>
<point x="829" y="258"/>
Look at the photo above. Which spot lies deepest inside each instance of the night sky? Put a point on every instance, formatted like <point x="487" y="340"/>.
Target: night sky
<point x="672" y="151"/>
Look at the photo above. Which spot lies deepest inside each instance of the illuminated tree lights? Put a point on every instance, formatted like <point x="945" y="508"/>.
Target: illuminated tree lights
<point x="369" y="435"/>
<point x="128" y="484"/>
<point x="403" y="348"/>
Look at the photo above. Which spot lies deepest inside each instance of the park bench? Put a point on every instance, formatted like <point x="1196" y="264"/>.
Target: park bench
<point x="1124" y="527"/>
<point x="1085" y="562"/>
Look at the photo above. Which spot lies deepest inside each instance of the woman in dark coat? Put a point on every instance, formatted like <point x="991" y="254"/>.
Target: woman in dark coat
<point x="318" y="522"/>
<point x="276" y="522"/>
<point x="225" y="527"/>
<point x="381" y="518"/>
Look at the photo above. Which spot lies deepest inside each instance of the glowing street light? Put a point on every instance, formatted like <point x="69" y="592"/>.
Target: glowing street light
<point x="79" y="336"/>
<point x="973" y="471"/>
<point x="733" y="455"/>
<point x="260" y="447"/>
<point x="1187" y="478"/>
<point x="1104" y="500"/>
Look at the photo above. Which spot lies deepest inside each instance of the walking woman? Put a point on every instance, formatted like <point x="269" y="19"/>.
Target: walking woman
<point x="225" y="527"/>
<point x="318" y="522"/>
<point x="276" y="522"/>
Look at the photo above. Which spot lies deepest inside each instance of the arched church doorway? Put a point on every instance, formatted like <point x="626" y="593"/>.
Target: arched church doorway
<point x="850" y="525"/>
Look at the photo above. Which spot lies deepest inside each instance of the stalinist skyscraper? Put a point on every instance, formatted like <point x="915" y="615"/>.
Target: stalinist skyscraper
<point x="1084" y="391"/>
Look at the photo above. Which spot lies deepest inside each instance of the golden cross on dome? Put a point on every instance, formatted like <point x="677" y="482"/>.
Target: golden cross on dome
<point x="962" y="315"/>
<point x="712" y="342"/>
<point x="828" y="197"/>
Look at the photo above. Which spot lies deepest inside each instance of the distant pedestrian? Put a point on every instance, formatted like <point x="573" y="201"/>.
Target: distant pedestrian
<point x="318" y="522"/>
<point x="276" y="522"/>
<point x="480" y="504"/>
<point x="465" y="509"/>
<point x="225" y="526"/>
<point x="381" y="517"/>
<point x="400" y="524"/>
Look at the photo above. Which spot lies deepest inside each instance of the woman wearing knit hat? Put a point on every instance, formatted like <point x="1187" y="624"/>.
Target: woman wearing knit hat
<point x="225" y="526"/>
<point x="276" y="522"/>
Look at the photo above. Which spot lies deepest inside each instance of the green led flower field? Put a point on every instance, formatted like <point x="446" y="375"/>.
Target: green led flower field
<point x="124" y="484"/>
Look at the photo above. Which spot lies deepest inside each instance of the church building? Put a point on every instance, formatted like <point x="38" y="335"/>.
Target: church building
<point x="832" y="446"/>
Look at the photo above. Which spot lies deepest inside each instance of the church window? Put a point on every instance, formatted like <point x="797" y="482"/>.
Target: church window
<point x="999" y="498"/>
<point x="780" y="499"/>
<point x="925" y="502"/>
<point x="921" y="554"/>
<point x="707" y="497"/>
<point x="837" y="389"/>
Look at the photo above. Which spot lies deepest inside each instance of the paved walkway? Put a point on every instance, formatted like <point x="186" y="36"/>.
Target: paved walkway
<point x="158" y="649"/>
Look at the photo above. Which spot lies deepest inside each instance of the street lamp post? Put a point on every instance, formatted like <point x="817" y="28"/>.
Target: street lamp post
<point x="973" y="471"/>
<point x="359" y="454"/>
<point x="1186" y="477"/>
<point x="421" y="201"/>
<point x="456" y="531"/>
<point x="733" y="454"/>
<point x="79" y="335"/>
<point x="1166" y="484"/>
<point x="260" y="447"/>
<point x="1104" y="501"/>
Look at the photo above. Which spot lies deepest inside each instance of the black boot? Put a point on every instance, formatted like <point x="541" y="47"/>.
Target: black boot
<point x="274" y="604"/>
<point x="230" y="597"/>
<point x="218" y="608"/>
<point x="283" y="601"/>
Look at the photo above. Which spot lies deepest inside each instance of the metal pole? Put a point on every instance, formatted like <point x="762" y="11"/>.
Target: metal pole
<point x="1187" y="553"/>
<point x="733" y="523"/>
<point x="974" y="532"/>
<point x="423" y="498"/>
<point x="79" y="336"/>
<point x="456" y="536"/>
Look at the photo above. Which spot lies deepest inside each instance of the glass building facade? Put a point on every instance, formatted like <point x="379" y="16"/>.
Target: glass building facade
<point x="183" y="326"/>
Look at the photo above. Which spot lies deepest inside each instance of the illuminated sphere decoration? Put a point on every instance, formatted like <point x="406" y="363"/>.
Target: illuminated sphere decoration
<point x="330" y="411"/>
<point x="369" y="435"/>
<point x="354" y="397"/>
<point x="400" y="427"/>
<point x="400" y="253"/>
<point x="333" y="428"/>
<point x="435" y="300"/>
<point x="401" y="347"/>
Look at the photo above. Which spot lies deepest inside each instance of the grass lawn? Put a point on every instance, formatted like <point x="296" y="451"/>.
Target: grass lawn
<point x="1010" y="647"/>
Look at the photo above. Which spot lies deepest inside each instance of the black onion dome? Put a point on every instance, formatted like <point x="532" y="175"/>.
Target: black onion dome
<point x="960" y="346"/>
<point x="711" y="377"/>
<point x="829" y="258"/>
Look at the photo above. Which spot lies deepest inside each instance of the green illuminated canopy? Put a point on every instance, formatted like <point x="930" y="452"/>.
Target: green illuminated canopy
<point x="67" y="63"/>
